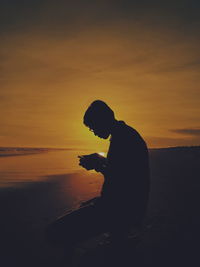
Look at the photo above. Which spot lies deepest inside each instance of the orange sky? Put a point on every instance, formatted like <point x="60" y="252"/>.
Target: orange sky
<point x="148" y="72"/>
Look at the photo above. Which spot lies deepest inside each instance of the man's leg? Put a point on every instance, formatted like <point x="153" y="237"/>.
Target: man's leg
<point x="77" y="226"/>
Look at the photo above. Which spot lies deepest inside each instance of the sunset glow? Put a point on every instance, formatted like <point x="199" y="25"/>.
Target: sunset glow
<point x="102" y="154"/>
<point x="55" y="62"/>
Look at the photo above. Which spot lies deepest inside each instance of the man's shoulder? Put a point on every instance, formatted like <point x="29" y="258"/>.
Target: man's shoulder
<point x="128" y="133"/>
<point x="127" y="129"/>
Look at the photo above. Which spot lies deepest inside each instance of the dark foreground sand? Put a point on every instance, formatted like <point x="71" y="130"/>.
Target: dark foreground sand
<point x="172" y="228"/>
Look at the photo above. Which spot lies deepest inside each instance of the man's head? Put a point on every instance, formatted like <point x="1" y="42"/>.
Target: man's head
<point x="99" y="118"/>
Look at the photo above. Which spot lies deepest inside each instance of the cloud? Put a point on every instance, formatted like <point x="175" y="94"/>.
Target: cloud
<point x="178" y="67"/>
<point x="188" y="131"/>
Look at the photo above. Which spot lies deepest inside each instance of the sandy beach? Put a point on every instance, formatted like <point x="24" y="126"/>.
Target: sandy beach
<point x="171" y="236"/>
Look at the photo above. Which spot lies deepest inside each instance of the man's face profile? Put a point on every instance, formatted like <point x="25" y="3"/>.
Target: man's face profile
<point x="100" y="130"/>
<point x="99" y="118"/>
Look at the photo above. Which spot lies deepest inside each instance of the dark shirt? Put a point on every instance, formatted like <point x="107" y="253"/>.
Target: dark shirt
<point x="126" y="185"/>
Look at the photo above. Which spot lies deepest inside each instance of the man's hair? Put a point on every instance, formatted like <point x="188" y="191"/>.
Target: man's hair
<point x="98" y="112"/>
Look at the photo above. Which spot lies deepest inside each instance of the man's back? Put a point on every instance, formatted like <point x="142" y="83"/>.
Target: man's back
<point x="126" y="185"/>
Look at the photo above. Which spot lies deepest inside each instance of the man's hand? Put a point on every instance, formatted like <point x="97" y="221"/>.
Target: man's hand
<point x="92" y="162"/>
<point x="88" y="161"/>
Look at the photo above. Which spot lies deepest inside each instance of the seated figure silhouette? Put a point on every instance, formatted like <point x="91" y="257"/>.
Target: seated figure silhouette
<point x="124" y="196"/>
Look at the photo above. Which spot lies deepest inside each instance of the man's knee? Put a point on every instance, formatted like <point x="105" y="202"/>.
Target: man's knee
<point x="74" y="227"/>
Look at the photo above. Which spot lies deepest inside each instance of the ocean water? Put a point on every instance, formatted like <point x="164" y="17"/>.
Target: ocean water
<point x="20" y="169"/>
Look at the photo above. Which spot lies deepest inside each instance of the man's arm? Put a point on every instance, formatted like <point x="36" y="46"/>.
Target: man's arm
<point x="101" y="165"/>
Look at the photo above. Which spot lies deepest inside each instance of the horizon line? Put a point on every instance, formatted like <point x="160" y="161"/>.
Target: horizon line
<point x="63" y="148"/>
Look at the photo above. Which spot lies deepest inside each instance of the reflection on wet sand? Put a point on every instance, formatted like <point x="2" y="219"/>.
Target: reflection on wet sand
<point x="15" y="170"/>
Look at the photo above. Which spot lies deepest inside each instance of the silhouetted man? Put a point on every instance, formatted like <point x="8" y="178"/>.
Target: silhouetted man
<point x="124" y="196"/>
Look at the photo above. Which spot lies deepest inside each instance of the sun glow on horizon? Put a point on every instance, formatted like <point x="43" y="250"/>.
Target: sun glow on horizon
<point x="102" y="154"/>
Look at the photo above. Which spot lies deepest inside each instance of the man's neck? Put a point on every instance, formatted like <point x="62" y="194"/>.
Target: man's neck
<point x="113" y="126"/>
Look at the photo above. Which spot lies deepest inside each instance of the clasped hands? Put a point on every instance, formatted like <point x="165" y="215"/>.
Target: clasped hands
<point x="92" y="162"/>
